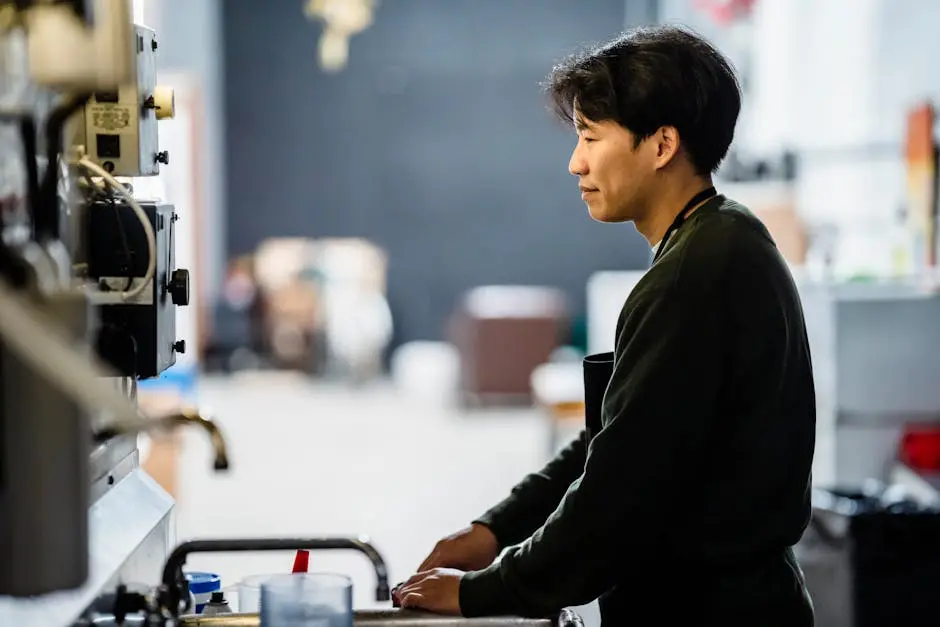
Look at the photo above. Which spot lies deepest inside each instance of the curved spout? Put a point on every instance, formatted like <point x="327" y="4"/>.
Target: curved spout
<point x="181" y="418"/>
<point x="172" y="592"/>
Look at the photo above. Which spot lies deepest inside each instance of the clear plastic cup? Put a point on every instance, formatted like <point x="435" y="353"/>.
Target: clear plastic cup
<point x="307" y="600"/>
<point x="231" y="595"/>
<point x="249" y="592"/>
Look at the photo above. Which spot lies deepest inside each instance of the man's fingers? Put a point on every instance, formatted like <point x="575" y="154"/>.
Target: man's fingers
<point x="415" y="583"/>
<point x="412" y="599"/>
<point x="418" y="586"/>
<point x="435" y="591"/>
<point x="412" y="588"/>
<point x="415" y="578"/>
<point x="396" y="593"/>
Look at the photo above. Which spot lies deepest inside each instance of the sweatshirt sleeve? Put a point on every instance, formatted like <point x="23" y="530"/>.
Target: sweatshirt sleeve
<point x="536" y="496"/>
<point x="657" y="411"/>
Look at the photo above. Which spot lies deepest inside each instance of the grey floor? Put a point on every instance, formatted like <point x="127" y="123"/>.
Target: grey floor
<point x="323" y="459"/>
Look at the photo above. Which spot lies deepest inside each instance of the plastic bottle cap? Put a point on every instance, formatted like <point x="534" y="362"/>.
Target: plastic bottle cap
<point x="203" y="583"/>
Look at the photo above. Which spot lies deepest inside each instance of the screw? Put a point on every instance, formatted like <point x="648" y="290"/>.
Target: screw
<point x="180" y="346"/>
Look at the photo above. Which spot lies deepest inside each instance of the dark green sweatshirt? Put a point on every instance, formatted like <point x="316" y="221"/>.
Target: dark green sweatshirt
<point x="686" y="503"/>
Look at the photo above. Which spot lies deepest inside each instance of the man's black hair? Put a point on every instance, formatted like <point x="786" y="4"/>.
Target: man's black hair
<point x="654" y="77"/>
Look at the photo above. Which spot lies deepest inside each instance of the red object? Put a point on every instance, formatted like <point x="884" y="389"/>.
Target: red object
<point x="920" y="448"/>
<point x="725" y="12"/>
<point x="301" y="561"/>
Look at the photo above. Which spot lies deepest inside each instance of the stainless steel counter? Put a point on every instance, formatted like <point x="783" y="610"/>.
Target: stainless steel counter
<point x="393" y="618"/>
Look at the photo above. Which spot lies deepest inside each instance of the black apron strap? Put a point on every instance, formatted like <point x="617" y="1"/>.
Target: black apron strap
<point x="700" y="197"/>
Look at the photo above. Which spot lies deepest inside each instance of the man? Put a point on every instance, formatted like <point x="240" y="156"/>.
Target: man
<point x="686" y="504"/>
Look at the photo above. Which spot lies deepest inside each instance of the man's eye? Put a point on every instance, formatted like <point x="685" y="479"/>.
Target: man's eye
<point x="588" y="139"/>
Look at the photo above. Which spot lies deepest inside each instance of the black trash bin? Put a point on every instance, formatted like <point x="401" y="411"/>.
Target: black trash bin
<point x="871" y="560"/>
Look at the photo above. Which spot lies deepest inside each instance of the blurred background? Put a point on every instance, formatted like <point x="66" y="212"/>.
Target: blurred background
<point x="395" y="278"/>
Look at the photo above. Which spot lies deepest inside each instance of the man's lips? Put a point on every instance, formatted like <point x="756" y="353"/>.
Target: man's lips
<point x="586" y="191"/>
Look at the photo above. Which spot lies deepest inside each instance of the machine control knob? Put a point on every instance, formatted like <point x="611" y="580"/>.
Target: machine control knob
<point x="179" y="287"/>
<point x="179" y="346"/>
<point x="164" y="102"/>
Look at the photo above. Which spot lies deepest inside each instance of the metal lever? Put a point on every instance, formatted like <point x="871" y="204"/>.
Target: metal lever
<point x="172" y="594"/>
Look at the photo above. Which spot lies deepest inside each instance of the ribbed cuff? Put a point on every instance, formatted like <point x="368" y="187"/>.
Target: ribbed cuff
<point x="482" y="593"/>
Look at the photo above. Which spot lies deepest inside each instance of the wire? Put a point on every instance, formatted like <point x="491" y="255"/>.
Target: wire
<point x="125" y="245"/>
<point x="97" y="170"/>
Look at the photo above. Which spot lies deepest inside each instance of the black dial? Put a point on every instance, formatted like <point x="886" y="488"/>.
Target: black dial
<point x="179" y="287"/>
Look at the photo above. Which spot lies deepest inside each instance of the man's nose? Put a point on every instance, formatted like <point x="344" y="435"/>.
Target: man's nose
<point x="577" y="165"/>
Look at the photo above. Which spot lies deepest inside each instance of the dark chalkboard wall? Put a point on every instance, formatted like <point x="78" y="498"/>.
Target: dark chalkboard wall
<point x="434" y="142"/>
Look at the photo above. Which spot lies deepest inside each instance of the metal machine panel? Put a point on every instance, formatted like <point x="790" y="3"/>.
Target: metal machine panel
<point x="44" y="458"/>
<point x="130" y="535"/>
<point x="121" y="125"/>
<point x="138" y="337"/>
<point x="43" y="483"/>
<point x="76" y="521"/>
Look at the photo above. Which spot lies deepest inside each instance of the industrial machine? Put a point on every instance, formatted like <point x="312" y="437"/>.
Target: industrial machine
<point x="88" y="296"/>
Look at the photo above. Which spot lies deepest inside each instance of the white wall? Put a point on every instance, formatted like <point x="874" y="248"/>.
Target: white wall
<point x="833" y="80"/>
<point x="190" y="38"/>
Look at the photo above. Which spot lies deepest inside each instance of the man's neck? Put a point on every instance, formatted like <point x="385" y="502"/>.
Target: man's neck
<point x="663" y="213"/>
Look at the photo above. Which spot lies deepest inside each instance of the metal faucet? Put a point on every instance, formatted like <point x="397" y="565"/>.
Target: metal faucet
<point x="181" y="418"/>
<point x="173" y="593"/>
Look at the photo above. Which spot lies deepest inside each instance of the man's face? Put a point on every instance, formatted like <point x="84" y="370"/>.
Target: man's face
<point x="613" y="173"/>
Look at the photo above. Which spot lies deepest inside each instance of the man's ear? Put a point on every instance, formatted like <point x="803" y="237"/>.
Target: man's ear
<point x="666" y="141"/>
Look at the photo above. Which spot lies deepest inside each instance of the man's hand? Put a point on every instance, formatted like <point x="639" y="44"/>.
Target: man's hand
<point x="435" y="590"/>
<point x="472" y="548"/>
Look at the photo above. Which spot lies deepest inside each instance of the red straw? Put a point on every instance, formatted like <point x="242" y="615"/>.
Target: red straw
<point x="301" y="561"/>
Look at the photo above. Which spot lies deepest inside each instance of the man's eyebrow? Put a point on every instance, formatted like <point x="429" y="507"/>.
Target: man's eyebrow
<point x="581" y="124"/>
